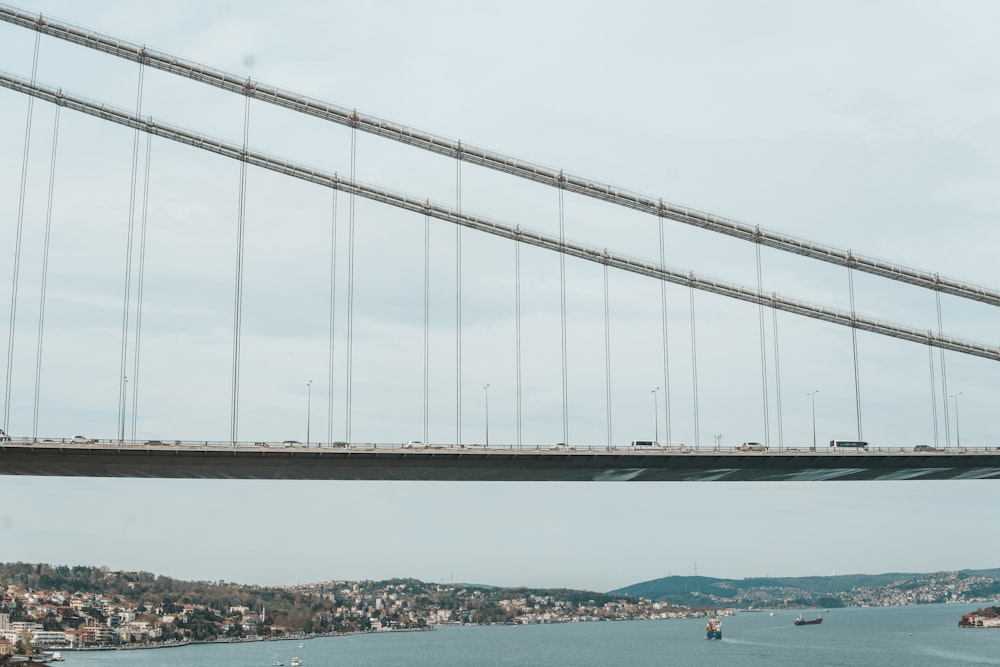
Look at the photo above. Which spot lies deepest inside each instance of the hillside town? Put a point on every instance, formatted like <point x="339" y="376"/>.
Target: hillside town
<point x="46" y="608"/>
<point x="934" y="588"/>
<point x="38" y="619"/>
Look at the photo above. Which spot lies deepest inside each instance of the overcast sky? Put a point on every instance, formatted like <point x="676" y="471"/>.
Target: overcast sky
<point x="864" y="126"/>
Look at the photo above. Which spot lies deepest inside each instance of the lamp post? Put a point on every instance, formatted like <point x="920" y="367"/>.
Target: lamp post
<point x="958" y="436"/>
<point x="656" y="421"/>
<point x="309" y="388"/>
<point x="486" y="391"/>
<point x="812" y="396"/>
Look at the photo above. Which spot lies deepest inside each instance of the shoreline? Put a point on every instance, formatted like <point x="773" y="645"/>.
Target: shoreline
<point x="247" y="640"/>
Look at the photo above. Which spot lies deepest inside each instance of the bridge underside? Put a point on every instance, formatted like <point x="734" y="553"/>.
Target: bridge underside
<point x="300" y="463"/>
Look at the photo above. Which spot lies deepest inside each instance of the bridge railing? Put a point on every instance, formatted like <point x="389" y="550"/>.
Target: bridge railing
<point x="473" y="448"/>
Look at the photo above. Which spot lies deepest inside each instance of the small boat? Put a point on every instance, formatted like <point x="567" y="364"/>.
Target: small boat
<point x="301" y="645"/>
<point x="713" y="630"/>
<point x="295" y="662"/>
<point x="278" y="663"/>
<point x="813" y="621"/>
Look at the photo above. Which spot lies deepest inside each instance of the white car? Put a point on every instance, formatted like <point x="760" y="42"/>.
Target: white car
<point x="81" y="440"/>
<point x="753" y="447"/>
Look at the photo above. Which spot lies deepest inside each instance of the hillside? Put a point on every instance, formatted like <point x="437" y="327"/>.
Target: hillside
<point x="828" y="591"/>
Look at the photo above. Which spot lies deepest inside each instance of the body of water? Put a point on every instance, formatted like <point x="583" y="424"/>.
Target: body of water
<point x="922" y="636"/>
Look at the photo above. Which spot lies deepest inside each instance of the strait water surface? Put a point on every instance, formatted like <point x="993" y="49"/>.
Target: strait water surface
<point x="924" y="636"/>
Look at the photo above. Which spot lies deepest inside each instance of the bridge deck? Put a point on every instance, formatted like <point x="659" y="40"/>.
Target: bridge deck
<point x="455" y="464"/>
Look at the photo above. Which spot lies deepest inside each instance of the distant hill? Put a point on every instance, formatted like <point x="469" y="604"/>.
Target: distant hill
<point x="690" y="590"/>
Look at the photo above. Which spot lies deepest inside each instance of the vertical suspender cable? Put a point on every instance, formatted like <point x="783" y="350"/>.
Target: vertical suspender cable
<point x="930" y="358"/>
<point x="562" y="316"/>
<point x="694" y="371"/>
<point x="139" y="288"/>
<point x="607" y="355"/>
<point x="333" y="317"/>
<point x="238" y="293"/>
<point x="17" y="246"/>
<point x="427" y="322"/>
<point x="854" y="342"/>
<point x="350" y="286"/>
<point x="517" y="332"/>
<point x="763" y="348"/>
<point x="666" y="347"/>
<point x="777" y="376"/>
<point x="122" y="376"/>
<point x="944" y="376"/>
<point x="458" y="303"/>
<point x="45" y="273"/>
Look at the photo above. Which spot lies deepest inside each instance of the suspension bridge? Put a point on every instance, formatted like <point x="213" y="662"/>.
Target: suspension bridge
<point x="525" y="453"/>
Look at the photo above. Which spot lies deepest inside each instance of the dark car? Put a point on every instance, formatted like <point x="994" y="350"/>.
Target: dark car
<point x="926" y="448"/>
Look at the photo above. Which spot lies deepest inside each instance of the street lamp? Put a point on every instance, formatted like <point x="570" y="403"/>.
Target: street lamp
<point x="812" y="395"/>
<point x="958" y="437"/>
<point x="486" y="391"/>
<point x="656" y="421"/>
<point x="309" y="387"/>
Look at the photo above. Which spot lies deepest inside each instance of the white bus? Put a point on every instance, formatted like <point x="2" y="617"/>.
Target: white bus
<point x="848" y="445"/>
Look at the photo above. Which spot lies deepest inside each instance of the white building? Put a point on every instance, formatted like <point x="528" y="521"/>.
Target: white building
<point x="48" y="637"/>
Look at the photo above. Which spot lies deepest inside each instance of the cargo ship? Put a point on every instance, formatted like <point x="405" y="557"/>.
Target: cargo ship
<point x="813" y="621"/>
<point x="714" y="629"/>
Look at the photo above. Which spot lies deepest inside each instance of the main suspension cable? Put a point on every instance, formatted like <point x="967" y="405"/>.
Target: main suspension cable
<point x="492" y="160"/>
<point x="513" y="232"/>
